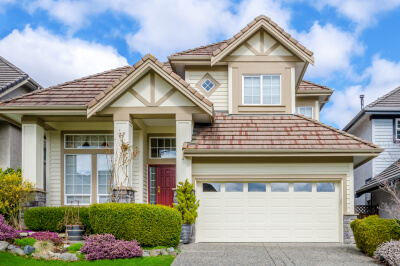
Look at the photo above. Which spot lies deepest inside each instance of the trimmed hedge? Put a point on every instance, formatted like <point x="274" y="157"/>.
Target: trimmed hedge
<point x="370" y="232"/>
<point x="150" y="225"/>
<point x="48" y="218"/>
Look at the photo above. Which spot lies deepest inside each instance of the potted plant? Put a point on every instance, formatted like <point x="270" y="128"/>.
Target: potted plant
<point x="74" y="230"/>
<point x="187" y="206"/>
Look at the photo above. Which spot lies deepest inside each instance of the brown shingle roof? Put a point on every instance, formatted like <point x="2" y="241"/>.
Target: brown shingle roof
<point x="272" y="132"/>
<point x="215" y="48"/>
<point x="87" y="91"/>
<point x="389" y="174"/>
<point x="391" y="99"/>
<point x="306" y="85"/>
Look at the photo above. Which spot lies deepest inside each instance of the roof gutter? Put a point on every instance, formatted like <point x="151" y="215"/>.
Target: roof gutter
<point x="286" y="152"/>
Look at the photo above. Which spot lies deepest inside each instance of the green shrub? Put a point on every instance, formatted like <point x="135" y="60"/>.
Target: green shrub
<point x="25" y="241"/>
<point x="48" y="218"/>
<point x="75" y="247"/>
<point x="372" y="231"/>
<point x="187" y="204"/>
<point x="150" y="225"/>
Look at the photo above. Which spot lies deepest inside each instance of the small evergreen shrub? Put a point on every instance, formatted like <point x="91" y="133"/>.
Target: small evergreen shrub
<point x="25" y="241"/>
<point x="187" y="204"/>
<point x="49" y="218"/>
<point x="75" y="247"/>
<point x="150" y="225"/>
<point x="43" y="247"/>
<point x="388" y="252"/>
<point x="99" y="247"/>
<point x="372" y="231"/>
<point x="7" y="232"/>
<point x="47" y="236"/>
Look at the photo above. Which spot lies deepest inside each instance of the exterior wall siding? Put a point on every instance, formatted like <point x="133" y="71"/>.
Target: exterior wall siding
<point x="145" y="168"/>
<point x="5" y="144"/>
<point x="53" y="168"/>
<point x="362" y="173"/>
<point x="382" y="133"/>
<point x="220" y="95"/>
<point x="379" y="197"/>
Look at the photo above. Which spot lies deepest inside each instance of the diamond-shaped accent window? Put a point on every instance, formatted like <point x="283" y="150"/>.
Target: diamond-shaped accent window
<point x="208" y="85"/>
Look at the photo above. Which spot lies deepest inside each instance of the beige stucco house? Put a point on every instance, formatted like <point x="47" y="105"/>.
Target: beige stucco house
<point x="236" y="118"/>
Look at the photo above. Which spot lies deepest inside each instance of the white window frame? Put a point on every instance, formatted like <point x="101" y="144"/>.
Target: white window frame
<point x="65" y="183"/>
<point x="160" y="138"/>
<point x="312" y="110"/>
<point x="213" y="85"/>
<point x="397" y="128"/>
<point x="261" y="89"/>
<point x="97" y="175"/>
<point x="91" y="148"/>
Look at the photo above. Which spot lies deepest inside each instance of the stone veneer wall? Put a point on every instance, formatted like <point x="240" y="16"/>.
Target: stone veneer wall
<point x="128" y="196"/>
<point x="348" y="237"/>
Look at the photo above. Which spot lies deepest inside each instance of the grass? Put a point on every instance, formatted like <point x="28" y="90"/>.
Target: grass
<point x="7" y="259"/>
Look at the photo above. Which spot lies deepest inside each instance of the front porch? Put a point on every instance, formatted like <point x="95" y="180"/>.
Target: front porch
<point x="75" y="151"/>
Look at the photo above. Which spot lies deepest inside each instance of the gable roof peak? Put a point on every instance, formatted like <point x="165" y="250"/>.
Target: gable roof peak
<point x="386" y="99"/>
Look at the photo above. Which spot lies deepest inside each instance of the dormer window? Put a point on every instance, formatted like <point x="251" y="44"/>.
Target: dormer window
<point x="208" y="85"/>
<point x="306" y="111"/>
<point x="262" y="89"/>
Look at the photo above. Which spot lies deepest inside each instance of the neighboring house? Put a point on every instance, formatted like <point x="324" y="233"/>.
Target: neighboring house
<point x="378" y="122"/>
<point x="13" y="82"/>
<point x="221" y="115"/>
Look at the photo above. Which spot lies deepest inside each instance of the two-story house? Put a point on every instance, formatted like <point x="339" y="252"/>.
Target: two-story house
<point x="378" y="122"/>
<point x="13" y="82"/>
<point x="235" y="118"/>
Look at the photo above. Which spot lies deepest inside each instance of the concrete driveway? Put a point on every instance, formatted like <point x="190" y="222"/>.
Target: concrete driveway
<point x="271" y="254"/>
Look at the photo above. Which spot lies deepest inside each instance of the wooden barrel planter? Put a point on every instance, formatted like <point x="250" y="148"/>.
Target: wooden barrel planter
<point x="75" y="232"/>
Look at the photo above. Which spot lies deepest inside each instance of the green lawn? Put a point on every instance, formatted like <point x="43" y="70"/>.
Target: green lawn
<point x="7" y="259"/>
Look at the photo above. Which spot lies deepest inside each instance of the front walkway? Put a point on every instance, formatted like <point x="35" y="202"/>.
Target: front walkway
<point x="271" y="254"/>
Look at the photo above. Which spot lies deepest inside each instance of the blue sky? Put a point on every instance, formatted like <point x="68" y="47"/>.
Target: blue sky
<point x="355" y="42"/>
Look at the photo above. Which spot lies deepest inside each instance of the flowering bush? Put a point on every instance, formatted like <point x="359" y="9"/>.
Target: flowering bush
<point x="98" y="247"/>
<point x="388" y="252"/>
<point x="7" y="232"/>
<point x="47" y="236"/>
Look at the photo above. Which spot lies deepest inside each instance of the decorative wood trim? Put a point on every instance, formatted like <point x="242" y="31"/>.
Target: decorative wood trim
<point x="261" y="58"/>
<point x="212" y="79"/>
<point x="139" y="97"/>
<point x="165" y="97"/>
<point x="273" y="48"/>
<point x="152" y="87"/>
<point x="261" y="42"/>
<point x="251" y="48"/>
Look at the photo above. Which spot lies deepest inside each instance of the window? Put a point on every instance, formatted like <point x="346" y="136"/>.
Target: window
<point x="257" y="187"/>
<point x="397" y="129"/>
<point x="306" y="111"/>
<point x="103" y="178"/>
<point x="211" y="187"/>
<point x="78" y="176"/>
<point x="302" y="187"/>
<point x="325" y="187"/>
<point x="208" y="85"/>
<point x="88" y="141"/>
<point x="153" y="188"/>
<point x="234" y="187"/>
<point x="162" y="148"/>
<point x="279" y="187"/>
<point x="262" y="89"/>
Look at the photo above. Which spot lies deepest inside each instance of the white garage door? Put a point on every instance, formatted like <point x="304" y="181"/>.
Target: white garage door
<point x="268" y="212"/>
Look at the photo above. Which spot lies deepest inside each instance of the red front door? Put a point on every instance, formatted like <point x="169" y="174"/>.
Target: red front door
<point x="165" y="182"/>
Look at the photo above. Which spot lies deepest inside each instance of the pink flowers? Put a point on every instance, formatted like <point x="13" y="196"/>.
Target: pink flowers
<point x="45" y="236"/>
<point x="7" y="232"/>
<point x="98" y="247"/>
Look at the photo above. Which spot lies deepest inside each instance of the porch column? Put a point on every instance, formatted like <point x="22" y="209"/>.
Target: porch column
<point x="184" y="130"/>
<point x="123" y="125"/>
<point x="33" y="151"/>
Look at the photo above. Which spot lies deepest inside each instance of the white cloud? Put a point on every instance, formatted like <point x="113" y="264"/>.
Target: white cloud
<point x="383" y="76"/>
<point x="333" y="50"/>
<point x="166" y="27"/>
<point x="363" y="12"/>
<point x="51" y="59"/>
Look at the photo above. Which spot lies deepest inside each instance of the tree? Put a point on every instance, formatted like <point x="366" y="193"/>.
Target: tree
<point x="15" y="193"/>
<point x="187" y="204"/>
<point x="119" y="162"/>
<point x="392" y="208"/>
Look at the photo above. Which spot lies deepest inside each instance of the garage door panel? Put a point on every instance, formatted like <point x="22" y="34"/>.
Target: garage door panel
<point x="268" y="216"/>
